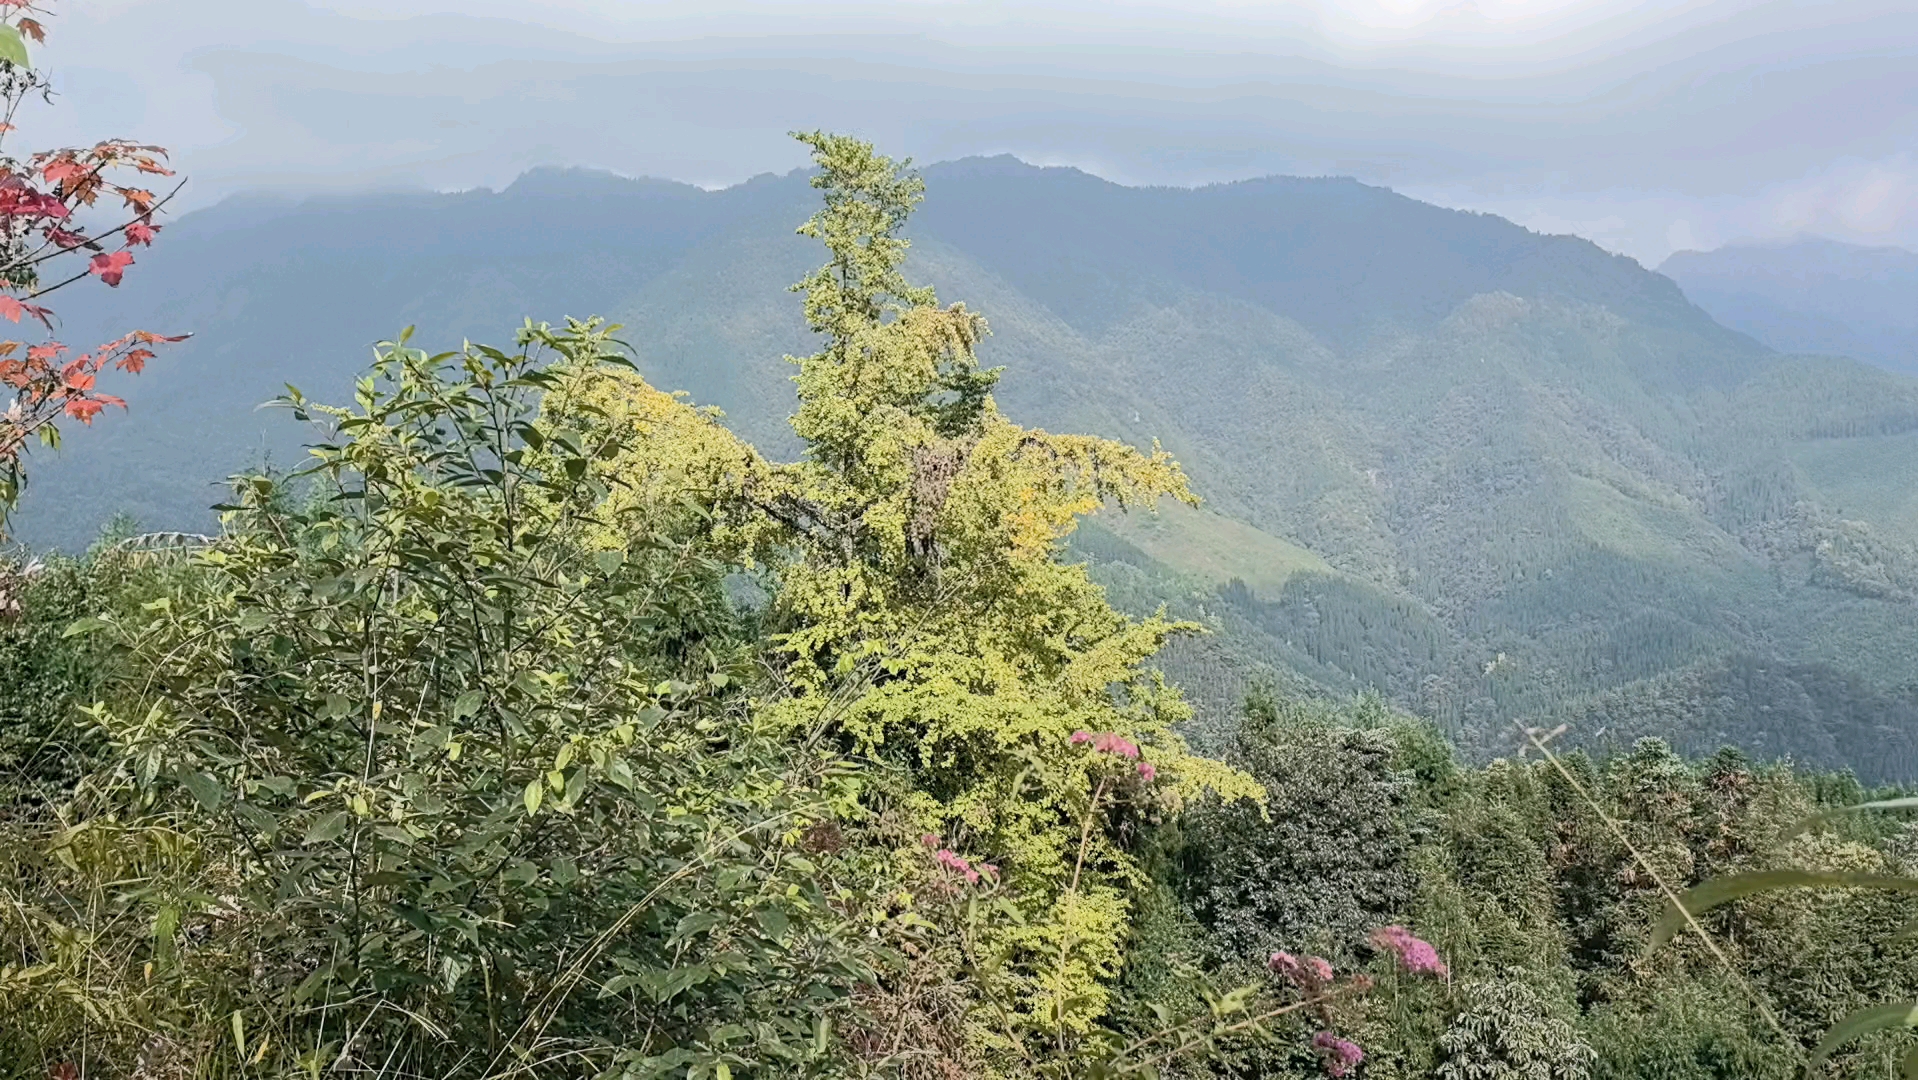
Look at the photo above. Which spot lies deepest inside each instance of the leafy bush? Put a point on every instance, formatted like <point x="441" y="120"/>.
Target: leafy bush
<point x="444" y="785"/>
<point x="1507" y="1032"/>
<point x="1326" y="860"/>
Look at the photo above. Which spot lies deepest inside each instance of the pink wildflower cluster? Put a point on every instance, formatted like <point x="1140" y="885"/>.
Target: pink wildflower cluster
<point x="1415" y="955"/>
<point x="1314" y="976"/>
<point x="1341" y="1055"/>
<point x="1309" y="974"/>
<point x="1106" y="742"/>
<point x="957" y="863"/>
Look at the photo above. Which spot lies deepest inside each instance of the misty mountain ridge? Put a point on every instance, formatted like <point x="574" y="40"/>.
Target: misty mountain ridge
<point x="1811" y="295"/>
<point x="1492" y="474"/>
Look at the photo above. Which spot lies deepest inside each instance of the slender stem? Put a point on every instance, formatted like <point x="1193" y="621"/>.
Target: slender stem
<point x="1230" y="1029"/>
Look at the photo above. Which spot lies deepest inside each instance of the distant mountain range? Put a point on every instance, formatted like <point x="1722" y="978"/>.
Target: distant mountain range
<point x="1811" y="296"/>
<point x="1495" y="475"/>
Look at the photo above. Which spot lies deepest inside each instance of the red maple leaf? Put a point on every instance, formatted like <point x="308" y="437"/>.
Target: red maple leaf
<point x="141" y="233"/>
<point x="111" y="267"/>
<point x="134" y="361"/>
<point x="11" y="309"/>
<point x="62" y="169"/>
<point x="83" y="409"/>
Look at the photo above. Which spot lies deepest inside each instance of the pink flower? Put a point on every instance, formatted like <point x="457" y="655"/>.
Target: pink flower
<point x="1416" y="956"/>
<point x="1341" y="1055"/>
<point x="1079" y="738"/>
<point x="929" y="840"/>
<point x="1147" y="772"/>
<point x="1311" y="974"/>
<point x="952" y="861"/>
<point x="1110" y="743"/>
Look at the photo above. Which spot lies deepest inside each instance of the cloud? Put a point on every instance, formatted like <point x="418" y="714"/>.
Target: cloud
<point x="1617" y="120"/>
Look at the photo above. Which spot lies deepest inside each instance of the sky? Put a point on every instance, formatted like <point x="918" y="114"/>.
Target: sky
<point x="1647" y="127"/>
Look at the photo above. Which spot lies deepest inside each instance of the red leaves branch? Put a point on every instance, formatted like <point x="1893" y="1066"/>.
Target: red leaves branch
<point x="41" y="203"/>
<point x="46" y="387"/>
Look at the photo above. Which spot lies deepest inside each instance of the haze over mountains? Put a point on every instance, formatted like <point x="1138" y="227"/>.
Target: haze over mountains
<point x="1811" y="296"/>
<point x="1496" y="475"/>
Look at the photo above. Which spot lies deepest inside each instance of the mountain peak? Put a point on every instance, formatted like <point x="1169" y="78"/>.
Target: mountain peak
<point x="548" y="181"/>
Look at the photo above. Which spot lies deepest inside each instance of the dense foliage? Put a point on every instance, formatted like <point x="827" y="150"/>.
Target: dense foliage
<point x="541" y="726"/>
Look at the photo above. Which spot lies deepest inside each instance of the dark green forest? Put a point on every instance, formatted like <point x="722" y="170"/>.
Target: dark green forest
<point x="546" y="723"/>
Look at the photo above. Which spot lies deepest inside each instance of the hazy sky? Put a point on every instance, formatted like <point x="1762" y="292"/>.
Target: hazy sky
<point x="1645" y="126"/>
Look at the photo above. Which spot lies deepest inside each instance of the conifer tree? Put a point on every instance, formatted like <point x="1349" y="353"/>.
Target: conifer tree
<point x="933" y="621"/>
<point x="924" y="614"/>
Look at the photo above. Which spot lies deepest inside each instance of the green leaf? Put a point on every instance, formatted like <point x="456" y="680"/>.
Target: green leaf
<point x="205" y="790"/>
<point x="1909" y="1070"/>
<point x="13" y="48"/>
<point x="85" y="626"/>
<point x="467" y="704"/>
<point x="535" y="794"/>
<point x="327" y="827"/>
<point x="773" y="921"/>
<point x="698" y="922"/>
<point x="1860" y="1023"/>
<point x="1724" y="890"/>
<point x="620" y="773"/>
<point x="668" y="985"/>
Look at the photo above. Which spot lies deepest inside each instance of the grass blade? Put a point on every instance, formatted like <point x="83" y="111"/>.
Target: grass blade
<point x="1724" y="890"/>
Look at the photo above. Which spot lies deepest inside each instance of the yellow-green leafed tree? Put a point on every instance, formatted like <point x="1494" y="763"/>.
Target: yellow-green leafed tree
<point x="923" y="614"/>
<point x="675" y="462"/>
<point x="931" y="621"/>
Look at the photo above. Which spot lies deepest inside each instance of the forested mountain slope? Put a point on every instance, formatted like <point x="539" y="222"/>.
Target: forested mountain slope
<point x="1493" y="474"/>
